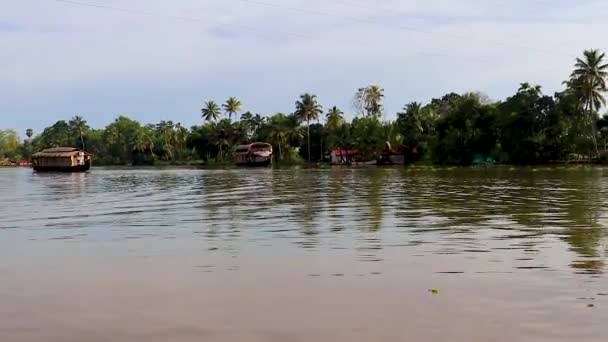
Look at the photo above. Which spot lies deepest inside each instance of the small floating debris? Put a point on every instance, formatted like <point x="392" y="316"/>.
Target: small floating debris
<point x="434" y="291"/>
<point x="590" y="306"/>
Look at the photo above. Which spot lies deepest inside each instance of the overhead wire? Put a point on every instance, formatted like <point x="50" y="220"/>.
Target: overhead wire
<point x="247" y="28"/>
<point x="397" y="26"/>
<point x="251" y="29"/>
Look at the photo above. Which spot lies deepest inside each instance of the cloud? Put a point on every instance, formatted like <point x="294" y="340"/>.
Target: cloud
<point x="160" y="59"/>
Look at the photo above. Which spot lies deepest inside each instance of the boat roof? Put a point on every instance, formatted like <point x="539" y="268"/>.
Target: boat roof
<point x="255" y="144"/>
<point x="57" y="152"/>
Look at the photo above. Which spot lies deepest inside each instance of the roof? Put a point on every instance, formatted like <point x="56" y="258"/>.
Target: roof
<point x="57" y="152"/>
<point x="256" y="144"/>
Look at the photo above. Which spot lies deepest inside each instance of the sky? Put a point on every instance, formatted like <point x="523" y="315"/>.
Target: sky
<point x="160" y="60"/>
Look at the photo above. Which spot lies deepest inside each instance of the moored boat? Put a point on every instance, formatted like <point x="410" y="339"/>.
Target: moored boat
<point x="61" y="159"/>
<point x="391" y="156"/>
<point x="256" y="154"/>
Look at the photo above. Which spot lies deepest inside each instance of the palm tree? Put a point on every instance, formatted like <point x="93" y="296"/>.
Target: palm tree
<point x="142" y="141"/>
<point x="211" y="111"/>
<point x="307" y="109"/>
<point x="588" y="82"/>
<point x="79" y="125"/>
<point x="232" y="107"/>
<point x="368" y="100"/>
<point x="222" y="137"/>
<point x="373" y="100"/>
<point x="278" y="135"/>
<point x="167" y="134"/>
<point x="335" y="118"/>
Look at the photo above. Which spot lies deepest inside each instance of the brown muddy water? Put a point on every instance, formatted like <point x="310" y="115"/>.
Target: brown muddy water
<point x="304" y="255"/>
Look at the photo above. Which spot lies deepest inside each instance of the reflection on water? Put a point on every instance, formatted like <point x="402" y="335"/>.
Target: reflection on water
<point x="420" y="211"/>
<point x="527" y="223"/>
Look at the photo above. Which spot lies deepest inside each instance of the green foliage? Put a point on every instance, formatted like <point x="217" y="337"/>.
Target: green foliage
<point x="465" y="130"/>
<point x="455" y="129"/>
<point x="9" y="144"/>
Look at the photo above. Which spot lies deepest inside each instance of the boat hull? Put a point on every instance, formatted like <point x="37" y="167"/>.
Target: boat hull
<point x="78" y="168"/>
<point x="258" y="163"/>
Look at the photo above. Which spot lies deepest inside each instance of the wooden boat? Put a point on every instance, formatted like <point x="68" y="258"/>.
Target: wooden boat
<point x="256" y="154"/>
<point x="61" y="159"/>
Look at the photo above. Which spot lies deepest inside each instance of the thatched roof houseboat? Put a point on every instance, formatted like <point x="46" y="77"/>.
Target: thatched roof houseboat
<point x="67" y="159"/>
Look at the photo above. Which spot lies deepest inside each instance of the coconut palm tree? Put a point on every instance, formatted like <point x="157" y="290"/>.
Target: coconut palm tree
<point x="232" y="107"/>
<point x="373" y="100"/>
<point x="166" y="133"/>
<point x="142" y="141"/>
<point x="588" y="83"/>
<point x="368" y="101"/>
<point x="307" y="109"/>
<point x="211" y="111"/>
<point x="78" y="125"/>
<point x="335" y="118"/>
<point x="278" y="135"/>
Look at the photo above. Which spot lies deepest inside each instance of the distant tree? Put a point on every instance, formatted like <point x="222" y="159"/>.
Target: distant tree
<point x="335" y="118"/>
<point x="29" y="133"/>
<point x="211" y="111"/>
<point x="9" y="144"/>
<point x="588" y="83"/>
<point x="368" y="101"/>
<point x="308" y="109"/>
<point x="78" y="127"/>
<point x="232" y="107"/>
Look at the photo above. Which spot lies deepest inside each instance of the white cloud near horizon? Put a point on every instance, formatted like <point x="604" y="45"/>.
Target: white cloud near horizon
<point x="154" y="59"/>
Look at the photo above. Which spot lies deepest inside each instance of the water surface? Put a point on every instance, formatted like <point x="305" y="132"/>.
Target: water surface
<point x="304" y="255"/>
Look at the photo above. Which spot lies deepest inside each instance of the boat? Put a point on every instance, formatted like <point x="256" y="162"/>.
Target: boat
<point x="391" y="156"/>
<point x="256" y="154"/>
<point x="61" y="159"/>
<point x="349" y="157"/>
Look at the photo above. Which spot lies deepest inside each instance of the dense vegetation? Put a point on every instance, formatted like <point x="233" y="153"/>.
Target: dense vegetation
<point x="528" y="127"/>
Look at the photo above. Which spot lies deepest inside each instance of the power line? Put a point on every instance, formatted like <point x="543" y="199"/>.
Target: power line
<point x="254" y="30"/>
<point x="241" y="26"/>
<point x="402" y="27"/>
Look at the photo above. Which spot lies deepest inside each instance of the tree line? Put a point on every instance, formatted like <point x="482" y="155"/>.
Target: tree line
<point x="528" y="127"/>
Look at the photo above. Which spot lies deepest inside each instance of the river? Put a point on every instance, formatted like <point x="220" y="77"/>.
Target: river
<point x="394" y="254"/>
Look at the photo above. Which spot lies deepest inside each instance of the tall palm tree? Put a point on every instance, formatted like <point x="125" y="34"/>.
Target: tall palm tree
<point x="373" y="100"/>
<point x="307" y="109"/>
<point x="278" y="136"/>
<point x="232" y="107"/>
<point x="211" y="111"/>
<point x="588" y="83"/>
<point x="79" y="125"/>
<point x="368" y="100"/>
<point x="335" y="118"/>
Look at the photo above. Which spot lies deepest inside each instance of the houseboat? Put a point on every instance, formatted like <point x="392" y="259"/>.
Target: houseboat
<point x="61" y="159"/>
<point x="256" y="154"/>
